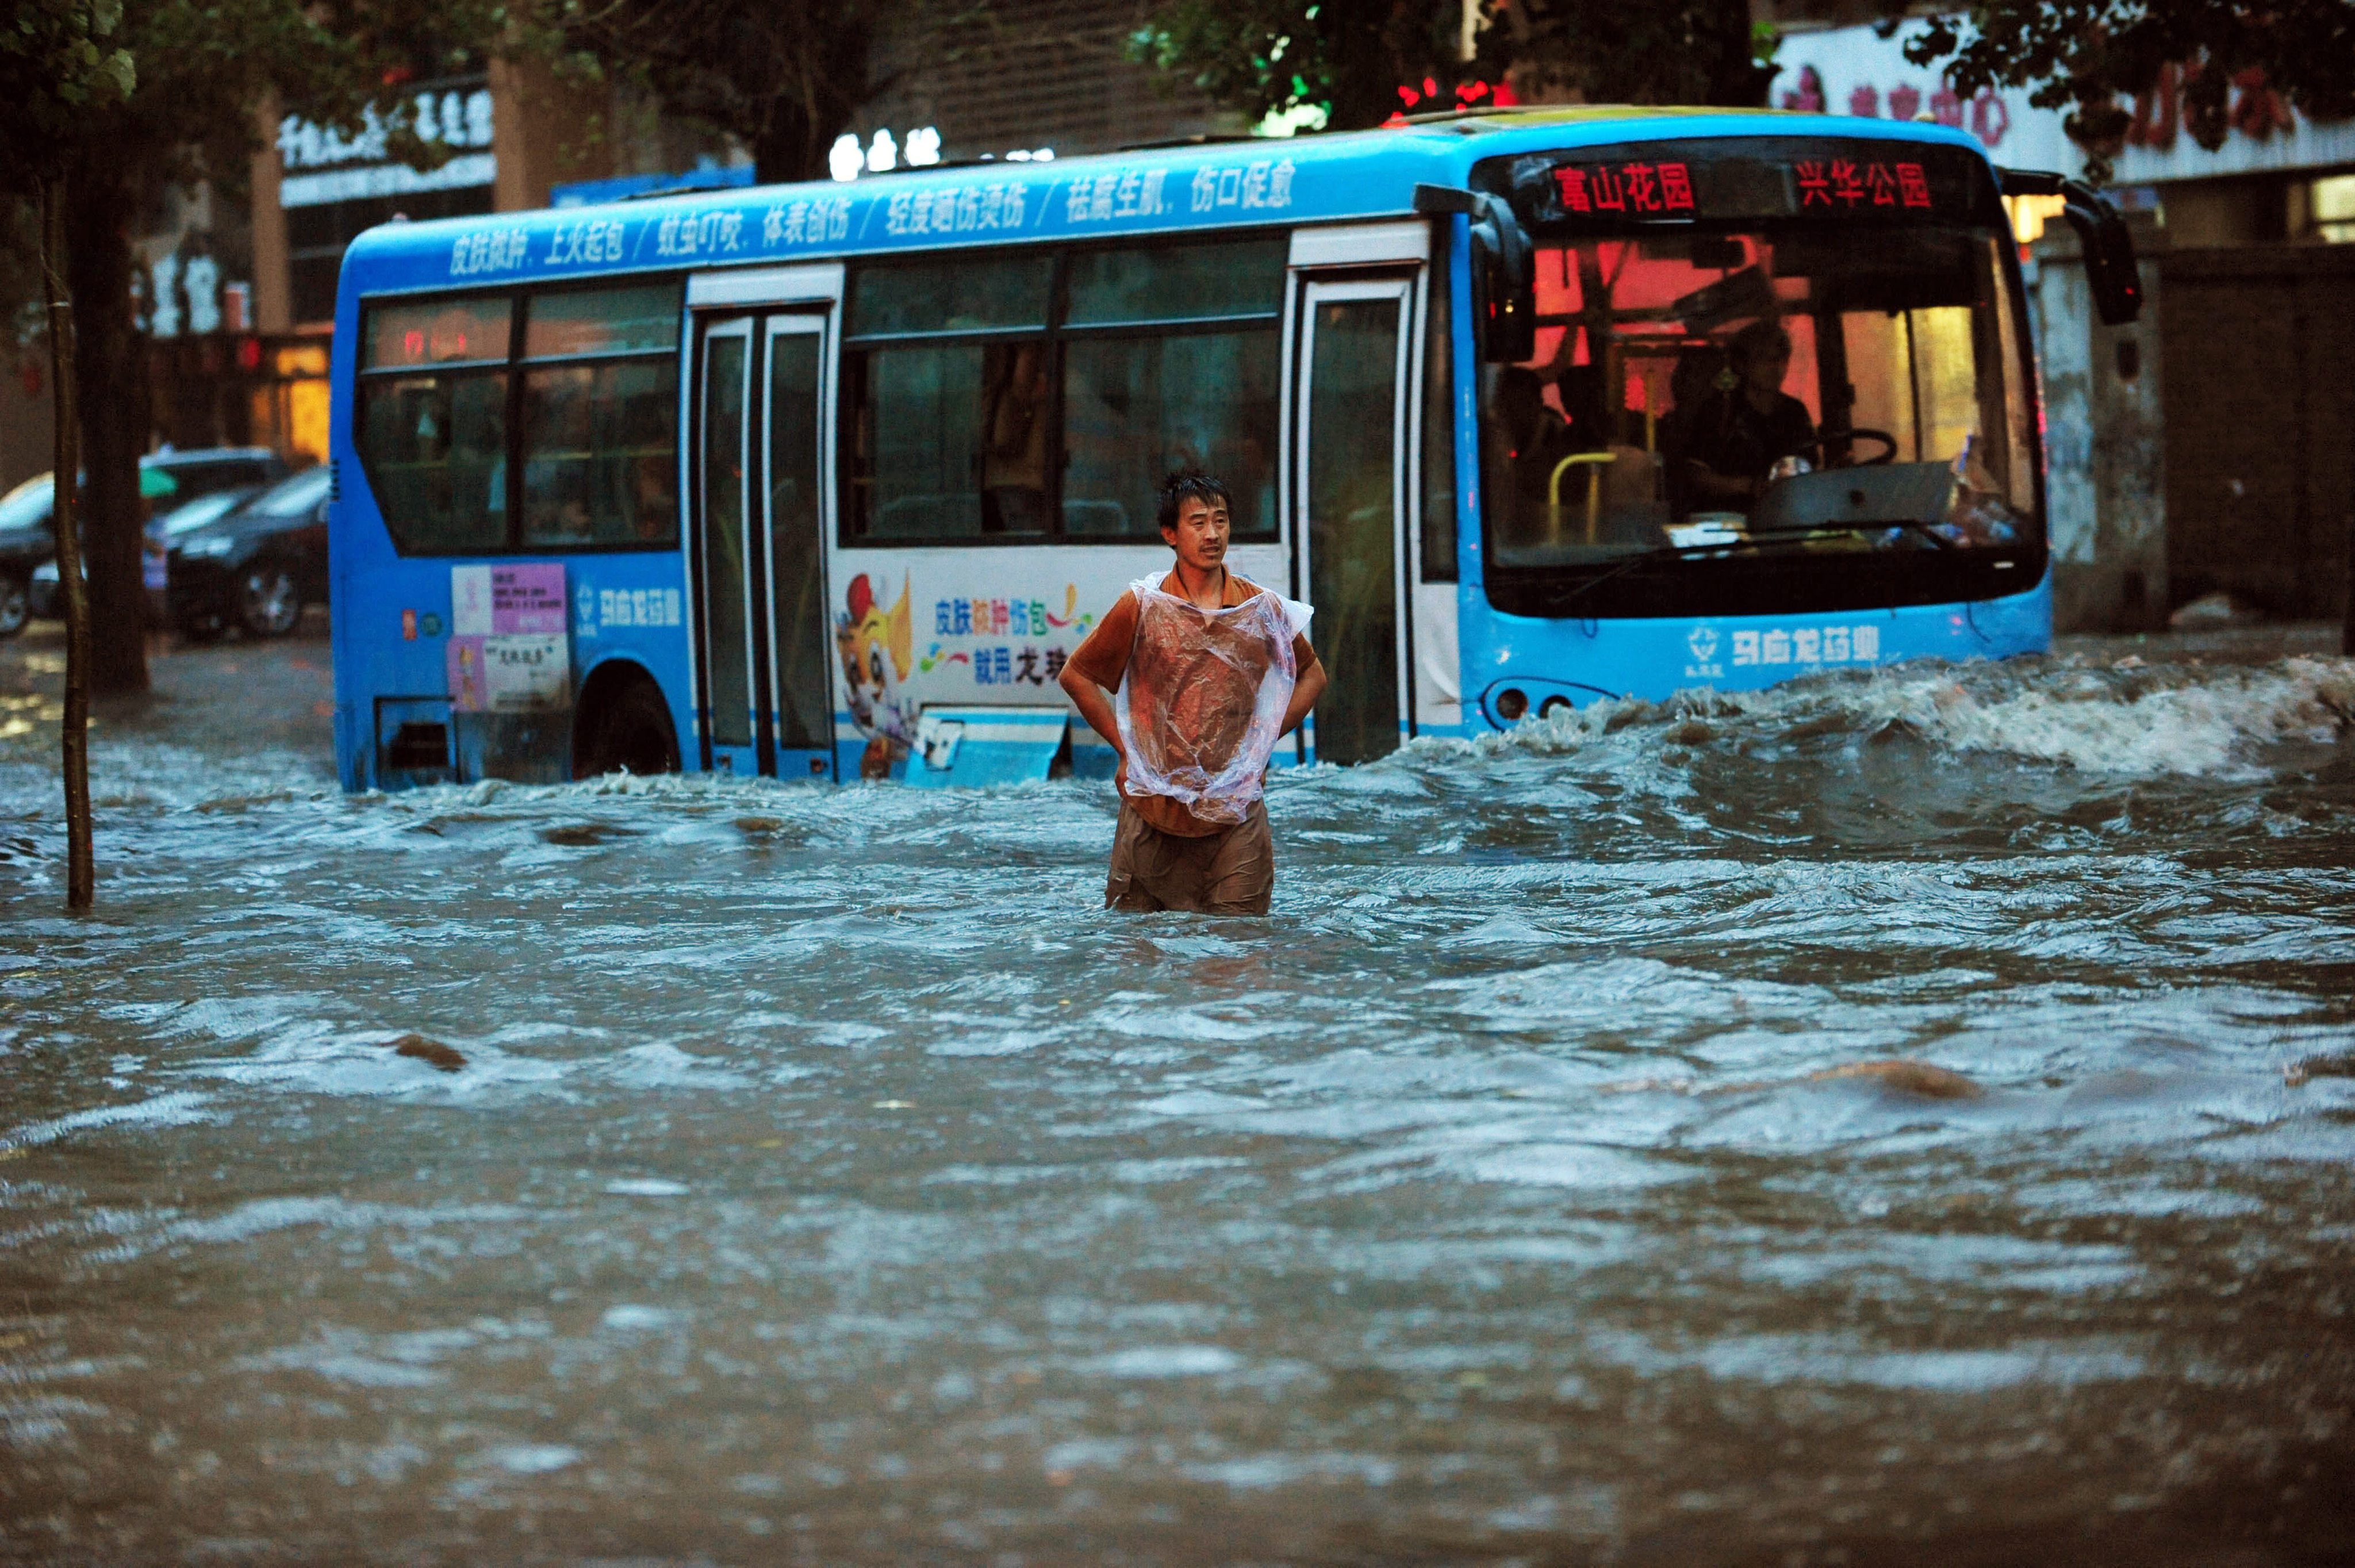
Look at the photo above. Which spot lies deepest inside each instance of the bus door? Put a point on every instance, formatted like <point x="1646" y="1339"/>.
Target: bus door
<point x="1351" y="498"/>
<point x="762" y="454"/>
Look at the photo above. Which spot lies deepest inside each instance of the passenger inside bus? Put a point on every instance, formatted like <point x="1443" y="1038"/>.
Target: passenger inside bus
<point x="1724" y="450"/>
<point x="1014" y="457"/>
<point x="1691" y="385"/>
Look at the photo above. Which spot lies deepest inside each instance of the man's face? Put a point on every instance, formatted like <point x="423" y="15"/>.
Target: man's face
<point x="1765" y="369"/>
<point x="1199" y="537"/>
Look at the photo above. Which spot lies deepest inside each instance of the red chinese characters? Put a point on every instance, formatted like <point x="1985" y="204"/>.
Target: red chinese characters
<point x="1837" y="184"/>
<point x="1646" y="188"/>
<point x="1842" y="181"/>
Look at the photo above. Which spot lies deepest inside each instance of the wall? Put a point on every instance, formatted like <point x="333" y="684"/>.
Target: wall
<point x="2105" y="451"/>
<point x="2261" y="427"/>
<point x="1032" y="73"/>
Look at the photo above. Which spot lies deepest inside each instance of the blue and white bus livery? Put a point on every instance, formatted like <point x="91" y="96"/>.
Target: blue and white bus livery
<point x="827" y="483"/>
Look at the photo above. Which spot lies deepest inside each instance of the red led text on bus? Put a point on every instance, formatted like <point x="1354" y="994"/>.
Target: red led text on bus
<point x="1626" y="187"/>
<point x="1843" y="182"/>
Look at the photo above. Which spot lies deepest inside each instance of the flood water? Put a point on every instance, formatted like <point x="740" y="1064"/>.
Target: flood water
<point x="827" y="1180"/>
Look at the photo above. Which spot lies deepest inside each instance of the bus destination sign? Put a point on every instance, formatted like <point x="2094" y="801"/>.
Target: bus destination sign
<point x="1835" y="180"/>
<point x="1626" y="187"/>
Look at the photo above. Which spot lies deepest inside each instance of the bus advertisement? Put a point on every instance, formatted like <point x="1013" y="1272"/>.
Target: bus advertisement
<point x="826" y="481"/>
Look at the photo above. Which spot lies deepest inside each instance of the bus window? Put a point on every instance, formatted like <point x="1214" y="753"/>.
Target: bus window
<point x="1170" y="361"/>
<point x="954" y="374"/>
<point x="948" y="439"/>
<point x="979" y="295"/>
<point x="1190" y="282"/>
<point x="434" y="446"/>
<point x="594" y="454"/>
<point x="600" y="431"/>
<point x="1137" y="407"/>
<point x="601" y="321"/>
<point x="1689" y="375"/>
<point x="438" y="332"/>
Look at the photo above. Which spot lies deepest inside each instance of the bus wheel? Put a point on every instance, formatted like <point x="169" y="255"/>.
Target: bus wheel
<point x="624" y="723"/>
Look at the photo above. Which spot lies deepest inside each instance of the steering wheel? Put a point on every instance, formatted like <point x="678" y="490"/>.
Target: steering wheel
<point x="1887" y="454"/>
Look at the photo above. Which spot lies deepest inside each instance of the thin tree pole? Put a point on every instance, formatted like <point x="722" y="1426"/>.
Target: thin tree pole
<point x="80" y="869"/>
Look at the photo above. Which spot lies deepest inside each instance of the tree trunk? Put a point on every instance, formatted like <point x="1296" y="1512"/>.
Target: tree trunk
<point x="113" y="423"/>
<point x="781" y="153"/>
<point x="1738" y="81"/>
<point x="81" y="872"/>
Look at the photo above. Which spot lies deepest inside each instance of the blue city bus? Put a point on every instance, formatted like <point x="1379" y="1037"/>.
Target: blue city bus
<point x="826" y="482"/>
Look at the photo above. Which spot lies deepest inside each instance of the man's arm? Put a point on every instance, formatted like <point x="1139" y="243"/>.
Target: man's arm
<point x="1305" y="689"/>
<point x="1107" y="645"/>
<point x="1094" y="705"/>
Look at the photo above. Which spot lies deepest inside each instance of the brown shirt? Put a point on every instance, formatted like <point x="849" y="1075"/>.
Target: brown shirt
<point x="1104" y="659"/>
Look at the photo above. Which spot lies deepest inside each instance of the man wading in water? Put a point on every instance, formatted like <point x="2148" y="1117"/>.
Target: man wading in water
<point x="1193" y="678"/>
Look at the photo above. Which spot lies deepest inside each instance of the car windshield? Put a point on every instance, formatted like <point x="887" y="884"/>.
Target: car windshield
<point x="291" y="497"/>
<point x="1865" y="389"/>
<point x="29" y="503"/>
<point x="202" y="511"/>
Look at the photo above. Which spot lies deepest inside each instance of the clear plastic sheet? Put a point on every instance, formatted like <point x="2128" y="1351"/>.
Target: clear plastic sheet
<point x="1202" y="704"/>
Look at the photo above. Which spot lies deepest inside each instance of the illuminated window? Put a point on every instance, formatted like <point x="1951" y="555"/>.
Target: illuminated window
<point x="1840" y="385"/>
<point x="2333" y="206"/>
<point x="438" y="332"/>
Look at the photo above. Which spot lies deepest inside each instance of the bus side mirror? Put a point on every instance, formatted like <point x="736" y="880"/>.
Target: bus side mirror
<point x="2110" y="270"/>
<point x="1504" y="270"/>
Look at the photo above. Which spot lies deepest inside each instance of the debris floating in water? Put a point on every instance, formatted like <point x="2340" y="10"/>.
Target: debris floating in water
<point x="432" y="1052"/>
<point x="2341" y="1065"/>
<point x="1895" y="1072"/>
<point x="1912" y="1077"/>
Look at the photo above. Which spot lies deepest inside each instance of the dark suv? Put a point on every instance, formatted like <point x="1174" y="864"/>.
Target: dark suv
<point x="256" y="565"/>
<point x="29" y="538"/>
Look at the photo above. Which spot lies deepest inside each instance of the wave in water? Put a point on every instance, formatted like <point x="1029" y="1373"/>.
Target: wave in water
<point x="2128" y="720"/>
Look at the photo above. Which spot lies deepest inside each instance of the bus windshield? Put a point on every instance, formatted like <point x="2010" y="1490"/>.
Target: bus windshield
<point x="1814" y="391"/>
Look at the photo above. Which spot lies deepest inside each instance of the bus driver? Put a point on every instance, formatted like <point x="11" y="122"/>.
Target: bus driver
<point x="1193" y="678"/>
<point x="1732" y="439"/>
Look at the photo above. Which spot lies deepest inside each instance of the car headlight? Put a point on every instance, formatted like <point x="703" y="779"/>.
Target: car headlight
<point x="208" y="547"/>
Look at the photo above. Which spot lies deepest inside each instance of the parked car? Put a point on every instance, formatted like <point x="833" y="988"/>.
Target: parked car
<point x="29" y="538"/>
<point x="155" y="557"/>
<point x="256" y="566"/>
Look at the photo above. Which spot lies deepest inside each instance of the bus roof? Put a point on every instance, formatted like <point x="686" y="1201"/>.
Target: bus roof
<point x="1241" y="184"/>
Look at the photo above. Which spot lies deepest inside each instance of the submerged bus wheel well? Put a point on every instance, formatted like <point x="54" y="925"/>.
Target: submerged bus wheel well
<point x="622" y="723"/>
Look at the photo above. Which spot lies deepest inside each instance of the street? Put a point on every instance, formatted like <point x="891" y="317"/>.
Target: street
<point x="726" y="1171"/>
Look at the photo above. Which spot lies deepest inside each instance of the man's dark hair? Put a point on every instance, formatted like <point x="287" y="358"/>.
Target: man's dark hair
<point x="1757" y="340"/>
<point x="1191" y="484"/>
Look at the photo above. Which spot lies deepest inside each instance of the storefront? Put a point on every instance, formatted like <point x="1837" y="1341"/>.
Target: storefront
<point x="2210" y="447"/>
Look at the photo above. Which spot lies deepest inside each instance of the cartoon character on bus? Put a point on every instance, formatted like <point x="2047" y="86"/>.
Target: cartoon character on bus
<point x="877" y="648"/>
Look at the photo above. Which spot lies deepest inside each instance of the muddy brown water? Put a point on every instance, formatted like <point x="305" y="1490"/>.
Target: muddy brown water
<point x="815" y="1175"/>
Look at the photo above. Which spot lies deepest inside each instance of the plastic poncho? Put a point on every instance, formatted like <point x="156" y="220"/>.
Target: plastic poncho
<point x="1201" y="705"/>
